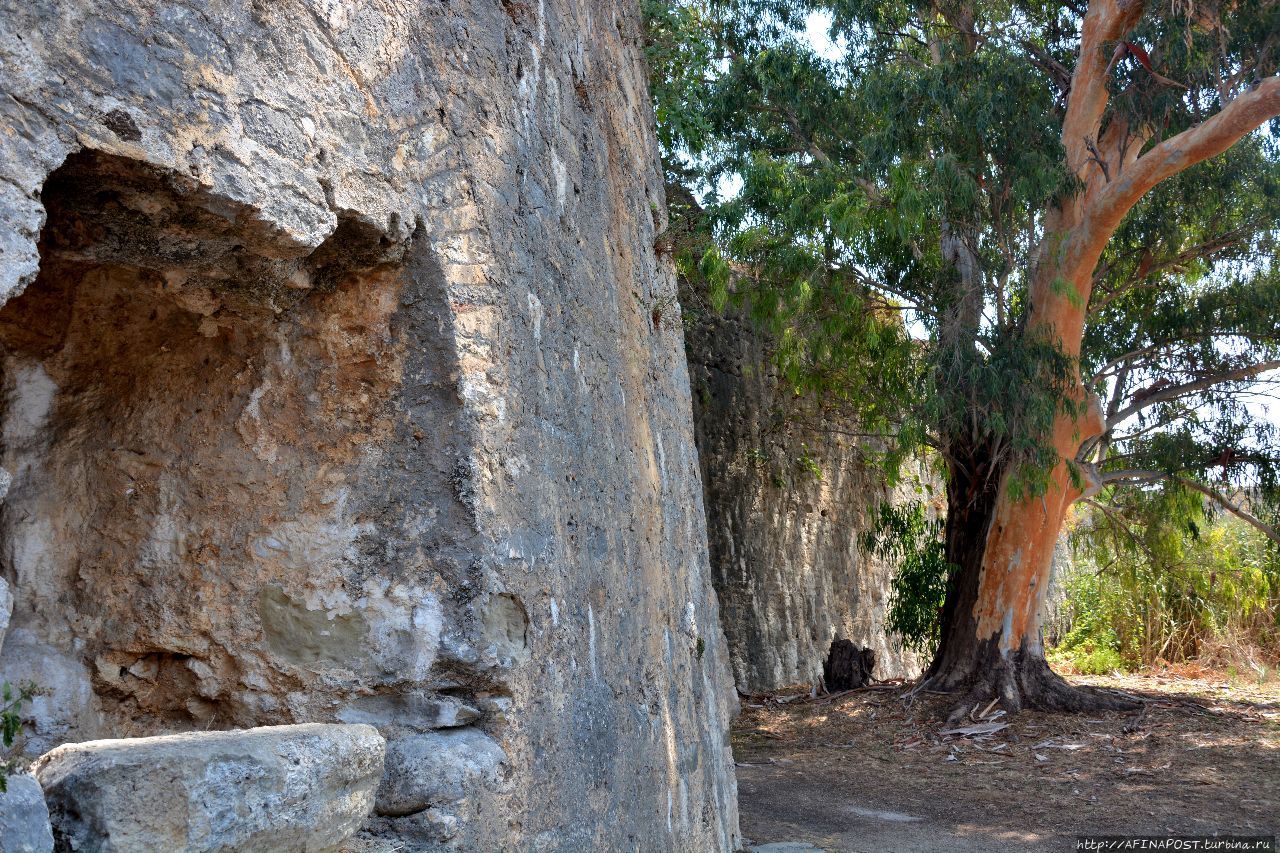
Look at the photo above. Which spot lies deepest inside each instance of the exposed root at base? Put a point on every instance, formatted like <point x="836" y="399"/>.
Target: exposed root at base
<point x="1026" y="682"/>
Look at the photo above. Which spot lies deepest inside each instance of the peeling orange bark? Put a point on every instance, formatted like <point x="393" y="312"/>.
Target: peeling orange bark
<point x="1001" y="547"/>
<point x="1018" y="554"/>
<point x="1020" y="543"/>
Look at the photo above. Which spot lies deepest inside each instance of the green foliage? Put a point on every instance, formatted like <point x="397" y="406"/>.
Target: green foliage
<point x="911" y="537"/>
<point x="880" y="208"/>
<point x="1090" y="657"/>
<point x="836" y="188"/>
<point x="851" y="172"/>
<point x="1180" y="585"/>
<point x="1091" y="644"/>
<point x="11" y="699"/>
<point x="1182" y="300"/>
<point x="807" y="463"/>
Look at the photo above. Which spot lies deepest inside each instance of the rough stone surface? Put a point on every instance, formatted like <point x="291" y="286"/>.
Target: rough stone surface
<point x="67" y="708"/>
<point x="330" y="372"/>
<point x="6" y="610"/>
<point x="786" y="503"/>
<point x="414" y="711"/>
<point x="437" y="768"/>
<point x="1054" y="615"/>
<point x="304" y="788"/>
<point x="24" y="817"/>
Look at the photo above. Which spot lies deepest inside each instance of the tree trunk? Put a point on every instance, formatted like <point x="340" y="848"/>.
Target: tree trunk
<point x="1002" y="551"/>
<point x="971" y="497"/>
<point x="1002" y="547"/>
<point x="992" y="645"/>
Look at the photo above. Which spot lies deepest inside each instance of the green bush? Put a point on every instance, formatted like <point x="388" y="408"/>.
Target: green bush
<point x="1182" y="586"/>
<point x="910" y="535"/>
<point x="11" y="699"/>
<point x="1092" y="660"/>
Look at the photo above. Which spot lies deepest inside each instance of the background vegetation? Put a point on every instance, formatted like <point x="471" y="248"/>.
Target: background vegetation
<point x="1180" y="587"/>
<point x="881" y="201"/>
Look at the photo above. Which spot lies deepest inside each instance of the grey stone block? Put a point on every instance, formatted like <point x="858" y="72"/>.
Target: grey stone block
<point x="299" y="788"/>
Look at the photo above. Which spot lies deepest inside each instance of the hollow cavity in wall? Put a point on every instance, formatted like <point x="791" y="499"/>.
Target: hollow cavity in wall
<point x="188" y="401"/>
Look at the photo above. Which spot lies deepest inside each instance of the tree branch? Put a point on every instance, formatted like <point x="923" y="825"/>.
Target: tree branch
<point x="1120" y="360"/>
<point x="1139" y="476"/>
<point x="1186" y="340"/>
<point x="803" y="138"/>
<point x="1178" y="153"/>
<point x="1149" y="268"/>
<point x="1121" y="523"/>
<point x="1173" y="392"/>
<point x="1105" y="21"/>
<point x="1044" y="60"/>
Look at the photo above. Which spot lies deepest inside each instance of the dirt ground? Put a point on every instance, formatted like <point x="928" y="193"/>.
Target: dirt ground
<point x="872" y="771"/>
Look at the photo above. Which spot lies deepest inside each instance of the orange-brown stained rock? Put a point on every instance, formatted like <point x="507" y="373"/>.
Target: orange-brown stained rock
<point x="189" y="430"/>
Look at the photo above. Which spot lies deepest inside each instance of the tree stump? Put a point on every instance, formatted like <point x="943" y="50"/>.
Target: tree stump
<point x="847" y="666"/>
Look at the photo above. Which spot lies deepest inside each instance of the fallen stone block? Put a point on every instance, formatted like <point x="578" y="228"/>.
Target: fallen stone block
<point x="437" y="768"/>
<point x="297" y="788"/>
<point x="24" y="818"/>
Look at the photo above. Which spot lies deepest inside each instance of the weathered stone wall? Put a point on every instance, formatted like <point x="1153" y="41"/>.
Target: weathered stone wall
<point x="334" y="389"/>
<point x="787" y="494"/>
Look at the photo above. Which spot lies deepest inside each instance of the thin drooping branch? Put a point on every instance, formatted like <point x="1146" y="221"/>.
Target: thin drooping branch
<point x="1123" y="361"/>
<point x="1045" y="61"/>
<point x="1144" y="278"/>
<point x="1121" y="523"/>
<point x="1130" y="358"/>
<point x="1173" y="392"/>
<point x="1155" y="425"/>
<point x="797" y="130"/>
<point x="1145" y="476"/>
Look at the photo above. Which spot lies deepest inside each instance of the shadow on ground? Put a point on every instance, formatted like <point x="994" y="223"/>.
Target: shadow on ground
<point x="872" y="771"/>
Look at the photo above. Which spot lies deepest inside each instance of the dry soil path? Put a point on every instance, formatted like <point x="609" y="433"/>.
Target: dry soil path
<point x="870" y="771"/>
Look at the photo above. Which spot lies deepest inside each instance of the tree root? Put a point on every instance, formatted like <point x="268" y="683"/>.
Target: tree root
<point x="1024" y="681"/>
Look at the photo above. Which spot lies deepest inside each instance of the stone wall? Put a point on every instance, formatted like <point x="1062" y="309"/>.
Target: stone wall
<point x="334" y="388"/>
<point x="787" y="493"/>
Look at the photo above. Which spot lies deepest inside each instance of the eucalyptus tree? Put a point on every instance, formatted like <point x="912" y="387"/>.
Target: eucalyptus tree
<point x="1038" y="238"/>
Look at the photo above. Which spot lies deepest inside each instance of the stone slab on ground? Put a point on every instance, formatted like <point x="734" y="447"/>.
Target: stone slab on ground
<point x="301" y="788"/>
<point x="24" y="818"/>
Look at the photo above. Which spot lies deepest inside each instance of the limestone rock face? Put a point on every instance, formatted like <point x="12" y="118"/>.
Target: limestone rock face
<point x="412" y="711"/>
<point x="67" y="709"/>
<point x="6" y="609"/>
<point x="334" y="381"/>
<point x="304" y="788"/>
<point x="24" y="817"/>
<point x="787" y="496"/>
<point x="437" y="767"/>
